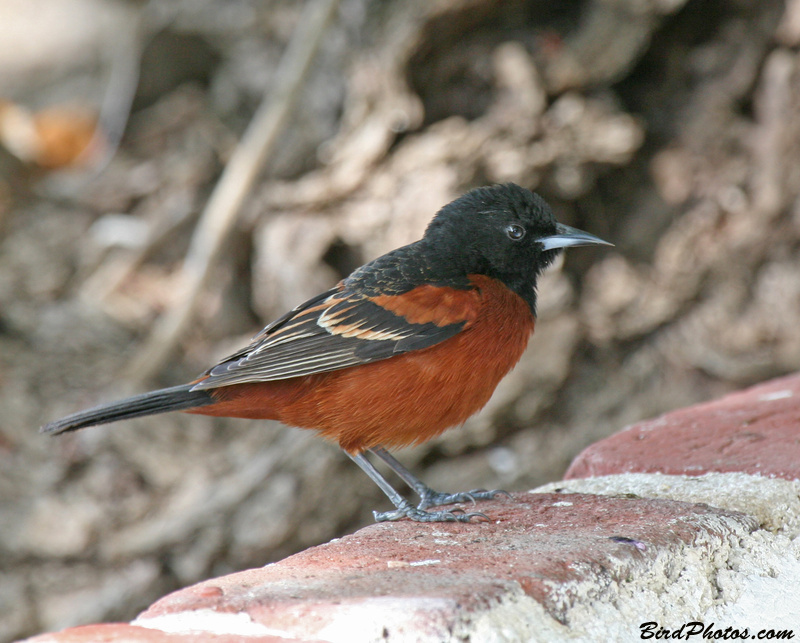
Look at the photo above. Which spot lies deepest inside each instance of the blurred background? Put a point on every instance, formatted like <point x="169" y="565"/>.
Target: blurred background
<point x="669" y="127"/>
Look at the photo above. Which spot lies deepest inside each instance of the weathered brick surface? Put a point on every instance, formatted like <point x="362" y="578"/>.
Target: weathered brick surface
<point x="551" y="546"/>
<point x="755" y="431"/>
<point x="124" y="633"/>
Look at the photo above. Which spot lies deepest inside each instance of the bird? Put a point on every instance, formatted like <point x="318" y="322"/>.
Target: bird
<point x="405" y="347"/>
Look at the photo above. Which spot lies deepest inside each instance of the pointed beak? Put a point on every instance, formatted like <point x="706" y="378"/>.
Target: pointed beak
<point x="567" y="237"/>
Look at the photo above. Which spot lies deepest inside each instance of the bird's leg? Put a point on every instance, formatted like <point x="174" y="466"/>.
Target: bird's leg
<point x="428" y="497"/>
<point x="404" y="508"/>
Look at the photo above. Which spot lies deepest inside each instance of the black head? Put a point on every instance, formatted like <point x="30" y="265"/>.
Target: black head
<point x="505" y="232"/>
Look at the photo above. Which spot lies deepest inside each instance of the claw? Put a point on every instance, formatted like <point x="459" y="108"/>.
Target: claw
<point x="478" y="514"/>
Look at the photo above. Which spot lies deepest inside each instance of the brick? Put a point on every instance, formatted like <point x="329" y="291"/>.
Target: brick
<point x="773" y="502"/>
<point x="407" y="581"/>
<point x="753" y="431"/>
<point x="124" y="633"/>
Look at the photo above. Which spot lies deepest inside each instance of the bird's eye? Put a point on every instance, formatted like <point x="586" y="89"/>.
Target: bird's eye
<point x="515" y="232"/>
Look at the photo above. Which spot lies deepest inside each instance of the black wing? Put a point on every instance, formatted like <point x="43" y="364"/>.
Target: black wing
<point x="344" y="327"/>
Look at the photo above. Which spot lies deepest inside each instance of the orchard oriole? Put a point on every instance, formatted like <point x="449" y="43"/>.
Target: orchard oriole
<point x="407" y="346"/>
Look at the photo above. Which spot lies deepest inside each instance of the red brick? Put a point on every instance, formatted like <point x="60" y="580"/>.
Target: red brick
<point x="548" y="544"/>
<point x="124" y="633"/>
<point x="756" y="431"/>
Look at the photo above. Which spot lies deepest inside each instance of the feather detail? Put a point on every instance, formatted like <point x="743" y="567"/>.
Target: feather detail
<point x="344" y="328"/>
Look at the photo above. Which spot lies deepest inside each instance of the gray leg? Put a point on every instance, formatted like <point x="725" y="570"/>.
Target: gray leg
<point x="404" y="508"/>
<point x="429" y="497"/>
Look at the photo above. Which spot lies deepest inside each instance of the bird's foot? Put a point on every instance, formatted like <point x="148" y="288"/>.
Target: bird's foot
<point x="431" y="498"/>
<point x="419" y="515"/>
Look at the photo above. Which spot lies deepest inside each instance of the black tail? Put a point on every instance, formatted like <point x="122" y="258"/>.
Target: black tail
<point x="177" y="398"/>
